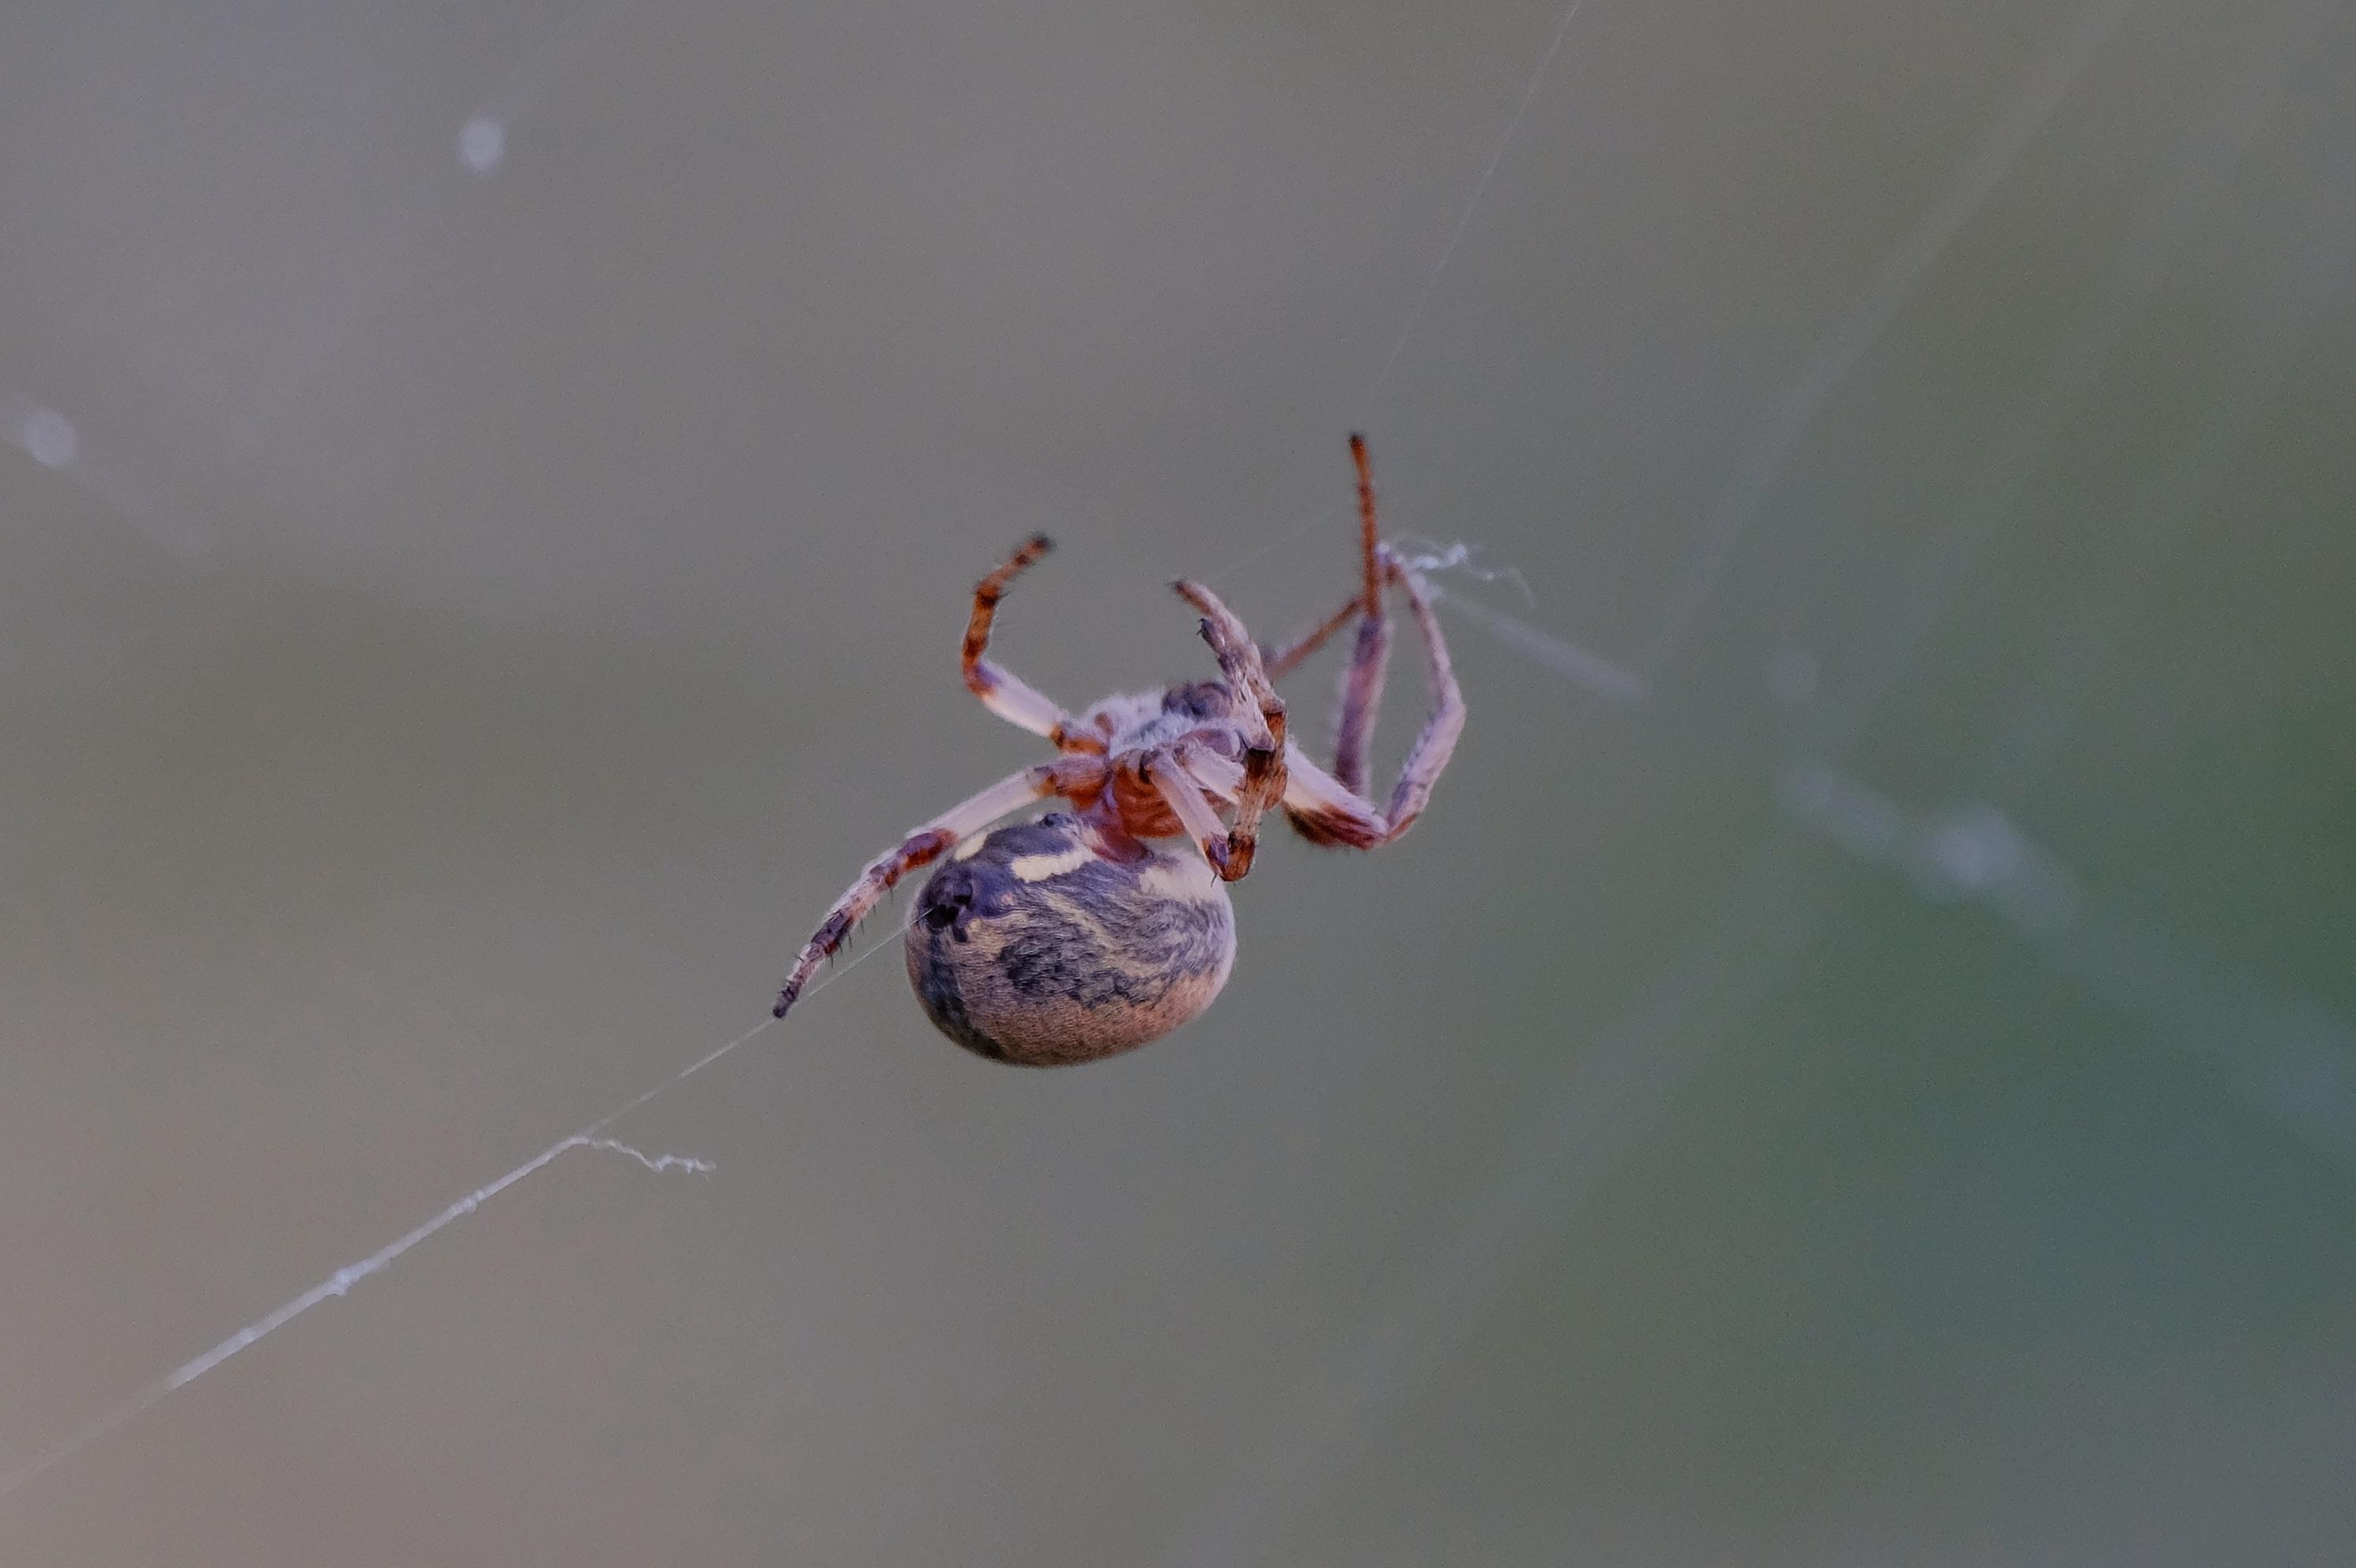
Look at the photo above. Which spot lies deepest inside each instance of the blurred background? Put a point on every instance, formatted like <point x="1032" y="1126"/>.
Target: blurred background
<point x="1855" y="1066"/>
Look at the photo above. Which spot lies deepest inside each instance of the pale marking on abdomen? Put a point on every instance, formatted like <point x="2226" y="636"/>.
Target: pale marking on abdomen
<point x="1040" y="867"/>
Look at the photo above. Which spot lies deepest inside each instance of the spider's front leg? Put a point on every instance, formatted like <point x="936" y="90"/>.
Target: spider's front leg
<point x="922" y="847"/>
<point x="1001" y="690"/>
<point x="1262" y="716"/>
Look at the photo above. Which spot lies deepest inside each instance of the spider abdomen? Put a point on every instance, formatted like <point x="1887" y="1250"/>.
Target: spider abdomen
<point x="1034" y="946"/>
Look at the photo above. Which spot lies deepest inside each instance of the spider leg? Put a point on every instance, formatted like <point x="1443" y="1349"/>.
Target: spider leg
<point x="1263" y="717"/>
<point x="1239" y="662"/>
<point x="921" y="847"/>
<point x="1281" y="659"/>
<point x="1436" y="741"/>
<point x="1360" y="695"/>
<point x="1328" y="811"/>
<point x="1002" y="692"/>
<point x="1168" y="771"/>
<point x="1222" y="778"/>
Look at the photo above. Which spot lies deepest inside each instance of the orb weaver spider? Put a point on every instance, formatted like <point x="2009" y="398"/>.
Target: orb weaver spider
<point x="1075" y="936"/>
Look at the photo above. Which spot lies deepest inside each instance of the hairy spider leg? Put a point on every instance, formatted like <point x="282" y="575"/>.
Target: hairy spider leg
<point x="1279" y="658"/>
<point x="1261" y="712"/>
<point x="1360" y="697"/>
<point x="1002" y="692"/>
<point x="1327" y="811"/>
<point x="924" y="845"/>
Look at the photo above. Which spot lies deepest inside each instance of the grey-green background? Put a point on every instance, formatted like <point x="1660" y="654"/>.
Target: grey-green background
<point x="1884" y="1098"/>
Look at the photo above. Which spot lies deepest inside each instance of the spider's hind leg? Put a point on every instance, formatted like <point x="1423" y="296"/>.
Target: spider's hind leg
<point x="922" y="847"/>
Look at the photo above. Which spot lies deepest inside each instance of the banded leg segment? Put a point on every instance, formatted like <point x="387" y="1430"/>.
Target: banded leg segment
<point x="1360" y="696"/>
<point x="922" y="847"/>
<point x="1002" y="692"/>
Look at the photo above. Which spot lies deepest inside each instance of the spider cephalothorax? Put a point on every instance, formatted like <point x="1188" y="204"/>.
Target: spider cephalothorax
<point x="1077" y="936"/>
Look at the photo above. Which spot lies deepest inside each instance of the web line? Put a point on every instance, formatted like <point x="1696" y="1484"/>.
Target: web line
<point x="1840" y="351"/>
<point x="1472" y="204"/>
<point x="1415" y="307"/>
<point x="340" y="1283"/>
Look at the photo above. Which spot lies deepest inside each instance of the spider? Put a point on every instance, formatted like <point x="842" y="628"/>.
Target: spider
<point x="1075" y="936"/>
